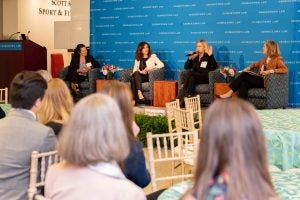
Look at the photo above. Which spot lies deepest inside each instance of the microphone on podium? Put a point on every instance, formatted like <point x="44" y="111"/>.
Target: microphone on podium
<point x="190" y="54"/>
<point x="28" y="34"/>
<point x="13" y="34"/>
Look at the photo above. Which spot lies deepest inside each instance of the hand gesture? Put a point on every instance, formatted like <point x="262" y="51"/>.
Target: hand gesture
<point x="143" y="72"/>
<point x="209" y="50"/>
<point x="246" y="69"/>
<point x="264" y="73"/>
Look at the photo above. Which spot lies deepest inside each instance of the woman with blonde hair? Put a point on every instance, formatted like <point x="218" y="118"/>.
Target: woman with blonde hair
<point x="56" y="105"/>
<point x="232" y="162"/>
<point x="199" y="64"/>
<point x="134" y="166"/>
<point x="270" y="64"/>
<point x="92" y="142"/>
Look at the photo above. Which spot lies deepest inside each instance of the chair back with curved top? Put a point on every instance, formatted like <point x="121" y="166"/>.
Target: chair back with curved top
<point x="38" y="169"/>
<point x="4" y="95"/>
<point x="170" y="114"/>
<point x="164" y="152"/>
<point x="193" y="103"/>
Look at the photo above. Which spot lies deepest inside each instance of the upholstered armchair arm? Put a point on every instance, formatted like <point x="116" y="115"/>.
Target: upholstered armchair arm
<point x="156" y="74"/>
<point x="277" y="90"/>
<point x="94" y="74"/>
<point x="214" y="77"/>
<point x="125" y="74"/>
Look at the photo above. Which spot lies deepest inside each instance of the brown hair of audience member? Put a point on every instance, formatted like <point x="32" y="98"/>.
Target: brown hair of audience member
<point x="123" y="96"/>
<point x="139" y="49"/>
<point x="57" y="103"/>
<point x="26" y="88"/>
<point x="272" y="48"/>
<point x="232" y="140"/>
<point x="94" y="133"/>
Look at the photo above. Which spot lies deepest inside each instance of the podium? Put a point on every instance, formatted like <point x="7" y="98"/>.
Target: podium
<point x="19" y="55"/>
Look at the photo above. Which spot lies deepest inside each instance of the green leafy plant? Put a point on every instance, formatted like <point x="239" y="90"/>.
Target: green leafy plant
<point x="154" y="124"/>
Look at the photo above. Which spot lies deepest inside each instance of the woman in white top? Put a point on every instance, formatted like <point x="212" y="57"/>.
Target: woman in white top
<point x="144" y="62"/>
<point x="92" y="143"/>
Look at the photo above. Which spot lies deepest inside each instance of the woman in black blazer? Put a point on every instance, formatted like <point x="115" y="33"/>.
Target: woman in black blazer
<point x="80" y="65"/>
<point x="201" y="62"/>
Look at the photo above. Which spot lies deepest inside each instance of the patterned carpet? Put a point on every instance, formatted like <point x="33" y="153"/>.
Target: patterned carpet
<point x="280" y="119"/>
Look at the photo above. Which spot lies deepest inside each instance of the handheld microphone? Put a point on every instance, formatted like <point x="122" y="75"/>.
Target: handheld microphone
<point x="190" y="54"/>
<point x="13" y="34"/>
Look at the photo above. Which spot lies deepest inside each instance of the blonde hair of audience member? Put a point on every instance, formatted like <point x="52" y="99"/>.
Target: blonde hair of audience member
<point x="123" y="96"/>
<point x="45" y="74"/>
<point x="232" y="140"/>
<point x="94" y="133"/>
<point x="57" y="103"/>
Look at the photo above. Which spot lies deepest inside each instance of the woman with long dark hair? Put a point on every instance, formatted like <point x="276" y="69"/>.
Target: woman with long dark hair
<point x="144" y="62"/>
<point x="232" y="158"/>
<point x="80" y="65"/>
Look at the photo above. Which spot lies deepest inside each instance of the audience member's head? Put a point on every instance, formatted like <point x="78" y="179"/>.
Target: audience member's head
<point x="233" y="144"/>
<point x="45" y="74"/>
<point x="94" y="133"/>
<point x="123" y="96"/>
<point x="27" y="90"/>
<point x="57" y="103"/>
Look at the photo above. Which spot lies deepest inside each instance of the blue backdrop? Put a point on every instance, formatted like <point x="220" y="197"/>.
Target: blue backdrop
<point x="235" y="29"/>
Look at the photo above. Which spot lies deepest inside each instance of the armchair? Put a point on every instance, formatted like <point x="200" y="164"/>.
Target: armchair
<point x="206" y="91"/>
<point x="147" y="87"/>
<point x="86" y="87"/>
<point x="274" y="95"/>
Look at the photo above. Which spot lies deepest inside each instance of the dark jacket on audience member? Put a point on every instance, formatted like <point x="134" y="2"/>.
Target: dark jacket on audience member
<point x="56" y="127"/>
<point x="2" y="113"/>
<point x="135" y="165"/>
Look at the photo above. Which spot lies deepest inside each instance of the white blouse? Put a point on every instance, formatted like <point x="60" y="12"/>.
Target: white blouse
<point x="152" y="63"/>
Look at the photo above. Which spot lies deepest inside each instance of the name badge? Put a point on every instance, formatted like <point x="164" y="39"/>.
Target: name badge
<point x="203" y="64"/>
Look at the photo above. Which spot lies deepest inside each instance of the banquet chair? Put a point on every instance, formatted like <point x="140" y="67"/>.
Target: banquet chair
<point x="165" y="152"/>
<point x="184" y="119"/>
<point x="170" y="114"/>
<point x="193" y="103"/>
<point x="4" y="95"/>
<point x="38" y="169"/>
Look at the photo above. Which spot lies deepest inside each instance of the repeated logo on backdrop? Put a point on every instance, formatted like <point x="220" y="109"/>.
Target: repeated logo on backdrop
<point x="235" y="29"/>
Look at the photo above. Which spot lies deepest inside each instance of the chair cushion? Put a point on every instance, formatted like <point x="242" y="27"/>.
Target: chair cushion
<point x="202" y="88"/>
<point x="146" y="86"/>
<point x="84" y="85"/>
<point x="257" y="93"/>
